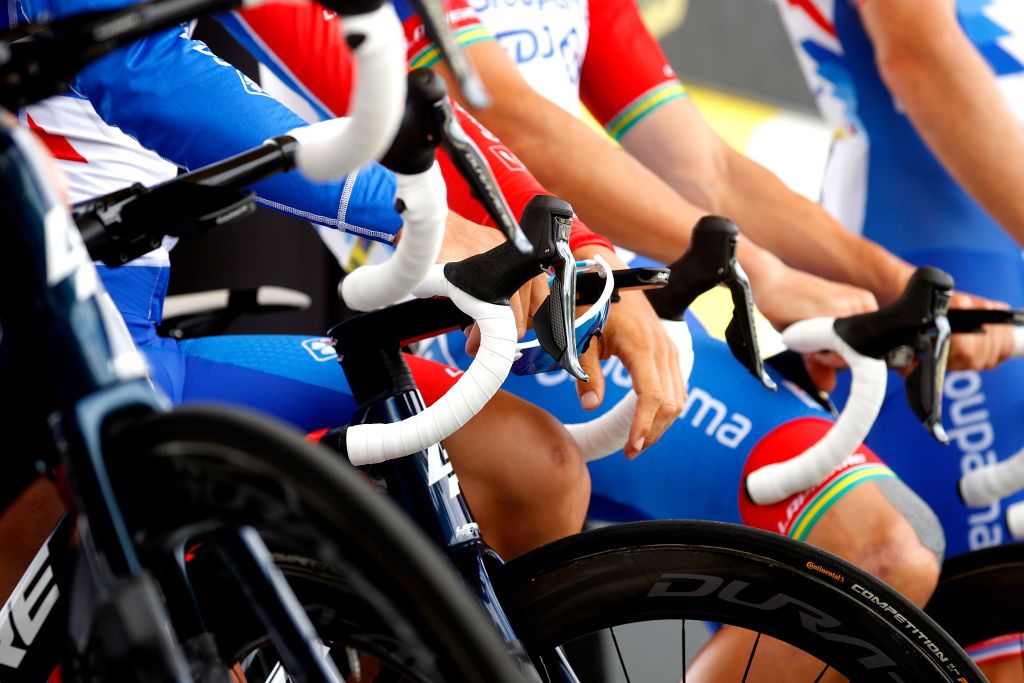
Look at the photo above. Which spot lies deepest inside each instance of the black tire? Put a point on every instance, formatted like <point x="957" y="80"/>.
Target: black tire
<point x="704" y="571"/>
<point x="174" y="473"/>
<point x="981" y="594"/>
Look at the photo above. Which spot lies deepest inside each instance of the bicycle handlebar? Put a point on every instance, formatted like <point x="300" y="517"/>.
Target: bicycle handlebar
<point x="334" y="148"/>
<point x="864" y="341"/>
<point x="479" y="287"/>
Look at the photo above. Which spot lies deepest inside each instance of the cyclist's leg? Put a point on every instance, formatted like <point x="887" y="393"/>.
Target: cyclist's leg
<point x="521" y="472"/>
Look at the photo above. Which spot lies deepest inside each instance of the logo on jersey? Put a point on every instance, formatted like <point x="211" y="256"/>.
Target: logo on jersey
<point x="320" y="348"/>
<point x="507" y="158"/>
<point x="250" y="85"/>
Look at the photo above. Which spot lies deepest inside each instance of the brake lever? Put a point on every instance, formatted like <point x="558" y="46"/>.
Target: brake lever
<point x="916" y="323"/>
<point x="972" y="320"/>
<point x="741" y="333"/>
<point x="472" y="166"/>
<point x="924" y="385"/>
<point x="428" y="122"/>
<point x="436" y="25"/>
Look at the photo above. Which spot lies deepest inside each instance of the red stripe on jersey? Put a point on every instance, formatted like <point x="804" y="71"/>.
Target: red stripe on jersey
<point x="815" y="14"/>
<point x="58" y="145"/>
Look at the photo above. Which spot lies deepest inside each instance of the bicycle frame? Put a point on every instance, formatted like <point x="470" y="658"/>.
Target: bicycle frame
<point x="55" y="316"/>
<point x="424" y="484"/>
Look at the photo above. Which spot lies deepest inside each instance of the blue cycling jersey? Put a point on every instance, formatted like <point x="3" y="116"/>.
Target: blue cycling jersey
<point x="881" y="179"/>
<point x="167" y="101"/>
<point x="884" y="182"/>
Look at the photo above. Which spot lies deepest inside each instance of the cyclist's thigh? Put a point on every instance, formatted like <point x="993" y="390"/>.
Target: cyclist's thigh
<point x="296" y="379"/>
<point x="983" y="413"/>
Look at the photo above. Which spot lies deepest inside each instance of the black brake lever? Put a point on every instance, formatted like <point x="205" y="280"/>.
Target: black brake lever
<point x="710" y="260"/>
<point x="496" y="275"/>
<point x="436" y="25"/>
<point x="971" y="320"/>
<point x="916" y="323"/>
<point x="428" y="122"/>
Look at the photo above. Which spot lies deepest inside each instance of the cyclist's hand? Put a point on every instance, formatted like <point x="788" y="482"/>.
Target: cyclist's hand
<point x="635" y="334"/>
<point x="822" y="367"/>
<point x="789" y="295"/>
<point x="980" y="351"/>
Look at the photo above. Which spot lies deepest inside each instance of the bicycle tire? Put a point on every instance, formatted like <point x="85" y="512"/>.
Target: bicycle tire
<point x="177" y="471"/>
<point x="980" y="594"/>
<point x="735" y="575"/>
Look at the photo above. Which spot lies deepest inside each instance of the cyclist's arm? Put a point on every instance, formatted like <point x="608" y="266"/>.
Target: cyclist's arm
<point x="951" y="96"/>
<point x="175" y="97"/>
<point x="643" y="105"/>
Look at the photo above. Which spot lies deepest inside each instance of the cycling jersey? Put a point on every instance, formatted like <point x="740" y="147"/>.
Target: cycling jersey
<point x="884" y="182"/>
<point x="275" y="33"/>
<point x="166" y="101"/>
<point x="570" y="51"/>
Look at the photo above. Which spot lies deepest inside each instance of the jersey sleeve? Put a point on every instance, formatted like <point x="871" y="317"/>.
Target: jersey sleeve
<point x="177" y="98"/>
<point x="302" y="43"/>
<point x="464" y="23"/>
<point x="625" y="74"/>
<point x="516" y="183"/>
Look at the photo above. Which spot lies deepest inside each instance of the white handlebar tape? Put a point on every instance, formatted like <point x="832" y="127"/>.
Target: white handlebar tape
<point x="1018" y="342"/>
<point x="331" y="149"/>
<point x="776" y="482"/>
<point x="609" y="432"/>
<point x="374" y="443"/>
<point x="426" y="209"/>
<point x="1015" y="520"/>
<point x="985" y="485"/>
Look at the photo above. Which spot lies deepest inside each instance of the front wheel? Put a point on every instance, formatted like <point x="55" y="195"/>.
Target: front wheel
<point x="681" y="570"/>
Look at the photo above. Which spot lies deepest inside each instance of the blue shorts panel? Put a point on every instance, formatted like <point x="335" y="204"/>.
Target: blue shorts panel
<point x="296" y="379"/>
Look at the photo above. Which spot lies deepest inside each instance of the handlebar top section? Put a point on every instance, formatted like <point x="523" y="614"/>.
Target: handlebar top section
<point x="707" y="262"/>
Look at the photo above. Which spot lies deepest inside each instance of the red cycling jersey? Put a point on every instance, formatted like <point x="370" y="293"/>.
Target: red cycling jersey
<point x="307" y="47"/>
<point x="624" y="74"/>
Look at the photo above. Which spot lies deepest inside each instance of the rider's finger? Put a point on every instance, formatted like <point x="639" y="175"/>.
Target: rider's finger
<point x="591" y="394"/>
<point x="472" y="339"/>
<point x="650" y="395"/>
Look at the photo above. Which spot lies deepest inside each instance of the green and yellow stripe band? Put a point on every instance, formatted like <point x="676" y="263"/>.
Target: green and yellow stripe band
<point x="828" y="496"/>
<point x="430" y="55"/>
<point x="644" y="105"/>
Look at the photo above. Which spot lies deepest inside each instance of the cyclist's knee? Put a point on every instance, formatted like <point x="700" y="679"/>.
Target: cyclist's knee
<point x="885" y="529"/>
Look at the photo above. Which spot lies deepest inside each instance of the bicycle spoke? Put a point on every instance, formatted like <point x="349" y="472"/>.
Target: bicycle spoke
<point x="822" y="674"/>
<point x="746" y="672"/>
<point x="622" y="663"/>
<point x="683" y="651"/>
